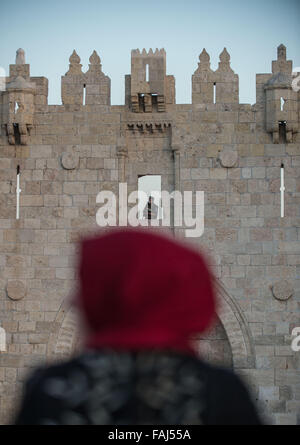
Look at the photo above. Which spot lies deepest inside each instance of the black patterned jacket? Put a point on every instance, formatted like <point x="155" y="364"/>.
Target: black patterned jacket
<point x="125" y="388"/>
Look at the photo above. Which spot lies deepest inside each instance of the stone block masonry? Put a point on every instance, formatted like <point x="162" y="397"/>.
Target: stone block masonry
<point x="233" y="152"/>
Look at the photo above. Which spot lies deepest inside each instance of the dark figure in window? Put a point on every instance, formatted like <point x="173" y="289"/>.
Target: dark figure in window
<point x="151" y="209"/>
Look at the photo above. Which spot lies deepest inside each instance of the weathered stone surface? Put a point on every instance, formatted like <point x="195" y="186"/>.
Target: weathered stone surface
<point x="231" y="151"/>
<point x="282" y="290"/>
<point x="70" y="160"/>
<point x="228" y="158"/>
<point x="16" y="289"/>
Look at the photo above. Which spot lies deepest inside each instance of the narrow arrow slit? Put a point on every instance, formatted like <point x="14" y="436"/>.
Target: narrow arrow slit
<point x="18" y="191"/>
<point x="282" y="188"/>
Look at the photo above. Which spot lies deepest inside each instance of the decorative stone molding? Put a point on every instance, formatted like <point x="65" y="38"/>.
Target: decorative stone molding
<point x="95" y="66"/>
<point x="20" y="57"/>
<point x="122" y="150"/>
<point x="64" y="340"/>
<point x="237" y="329"/>
<point x="75" y="65"/>
<point x="20" y="67"/>
<point x="149" y="126"/>
<point x="282" y="290"/>
<point x="23" y="130"/>
<point x="16" y="289"/>
<point x="70" y="160"/>
<point x="228" y="158"/>
<point x="204" y="62"/>
<point x="224" y="64"/>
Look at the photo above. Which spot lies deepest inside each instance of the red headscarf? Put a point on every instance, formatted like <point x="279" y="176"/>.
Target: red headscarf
<point x="142" y="290"/>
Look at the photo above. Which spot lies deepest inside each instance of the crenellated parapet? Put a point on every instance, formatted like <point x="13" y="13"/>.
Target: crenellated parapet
<point x="203" y="81"/>
<point x="148" y="88"/>
<point x="220" y="86"/>
<point x="90" y="88"/>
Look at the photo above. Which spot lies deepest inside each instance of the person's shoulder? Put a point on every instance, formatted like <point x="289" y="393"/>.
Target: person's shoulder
<point x="45" y="371"/>
<point x="231" y="402"/>
<point x="221" y="377"/>
<point x="41" y="388"/>
<point x="206" y="367"/>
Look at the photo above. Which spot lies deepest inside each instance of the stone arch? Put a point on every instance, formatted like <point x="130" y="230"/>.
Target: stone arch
<point x="64" y="342"/>
<point x="237" y="329"/>
<point x="213" y="346"/>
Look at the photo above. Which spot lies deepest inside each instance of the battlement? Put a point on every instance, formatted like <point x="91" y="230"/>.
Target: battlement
<point x="148" y="89"/>
<point x="157" y="53"/>
<point x="244" y="160"/>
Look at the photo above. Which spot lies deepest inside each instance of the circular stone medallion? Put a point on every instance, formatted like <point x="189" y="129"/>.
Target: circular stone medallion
<point x="228" y="158"/>
<point x="282" y="290"/>
<point x="16" y="289"/>
<point x="69" y="161"/>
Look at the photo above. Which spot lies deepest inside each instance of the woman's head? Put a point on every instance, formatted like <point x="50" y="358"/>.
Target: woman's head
<point x="141" y="290"/>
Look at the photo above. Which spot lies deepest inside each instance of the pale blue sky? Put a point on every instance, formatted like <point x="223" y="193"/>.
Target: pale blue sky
<point x="48" y="31"/>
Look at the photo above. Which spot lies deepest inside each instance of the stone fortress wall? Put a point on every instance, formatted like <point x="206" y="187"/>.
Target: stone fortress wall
<point x="233" y="152"/>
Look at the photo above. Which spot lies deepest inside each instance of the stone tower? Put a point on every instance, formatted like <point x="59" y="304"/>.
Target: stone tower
<point x="18" y="101"/>
<point x="62" y="156"/>
<point x="281" y="100"/>
<point x="148" y="88"/>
